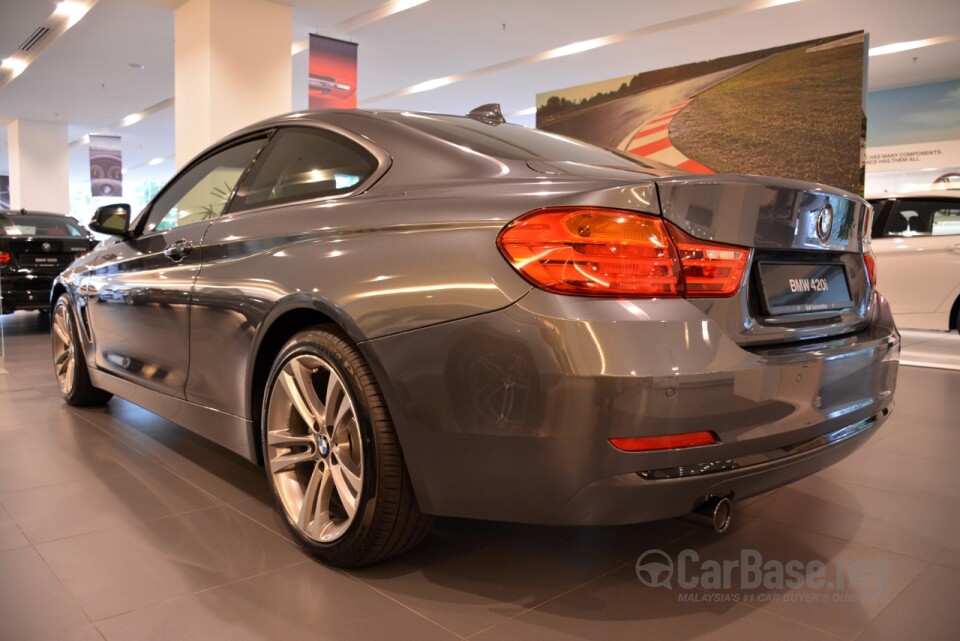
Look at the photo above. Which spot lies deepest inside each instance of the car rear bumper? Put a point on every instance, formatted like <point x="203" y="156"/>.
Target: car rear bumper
<point x="21" y="293"/>
<point x="507" y="415"/>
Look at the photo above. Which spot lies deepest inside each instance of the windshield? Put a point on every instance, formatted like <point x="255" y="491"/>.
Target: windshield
<point x="520" y="143"/>
<point x="27" y="225"/>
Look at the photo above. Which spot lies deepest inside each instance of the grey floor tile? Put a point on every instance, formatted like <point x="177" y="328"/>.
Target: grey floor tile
<point x="626" y="542"/>
<point x="901" y="473"/>
<point x="11" y="536"/>
<point x="950" y="556"/>
<point x="833" y="585"/>
<point x="306" y="601"/>
<point x="469" y="575"/>
<point x="906" y="525"/>
<point x="85" y="633"/>
<point x="61" y="430"/>
<point x="132" y="566"/>
<point x="78" y="507"/>
<point x="926" y="610"/>
<point x="618" y="607"/>
<point x="33" y="603"/>
<point x="263" y="510"/>
<point x="77" y="460"/>
<point x="928" y="392"/>
<point x="932" y="438"/>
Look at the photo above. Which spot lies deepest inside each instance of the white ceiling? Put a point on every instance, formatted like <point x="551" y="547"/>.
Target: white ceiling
<point x="86" y="79"/>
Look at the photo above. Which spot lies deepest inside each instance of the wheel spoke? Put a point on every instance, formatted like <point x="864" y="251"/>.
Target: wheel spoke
<point x="62" y="362"/>
<point x="61" y="332"/>
<point x="287" y="460"/>
<point x="310" y="495"/>
<point x="334" y="394"/>
<point x="297" y="382"/>
<point x="348" y="487"/>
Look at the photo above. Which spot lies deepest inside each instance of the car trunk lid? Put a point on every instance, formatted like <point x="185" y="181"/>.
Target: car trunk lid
<point x="807" y="277"/>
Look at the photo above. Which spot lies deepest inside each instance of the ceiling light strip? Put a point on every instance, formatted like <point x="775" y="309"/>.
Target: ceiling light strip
<point x="350" y="25"/>
<point x="584" y="45"/>
<point x="897" y="47"/>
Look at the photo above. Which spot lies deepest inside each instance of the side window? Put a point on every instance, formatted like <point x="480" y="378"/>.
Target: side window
<point x="946" y="221"/>
<point x="202" y="193"/>
<point x="303" y="163"/>
<point x="914" y="217"/>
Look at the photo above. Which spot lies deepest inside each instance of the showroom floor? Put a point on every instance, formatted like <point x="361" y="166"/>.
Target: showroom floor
<point x="116" y="524"/>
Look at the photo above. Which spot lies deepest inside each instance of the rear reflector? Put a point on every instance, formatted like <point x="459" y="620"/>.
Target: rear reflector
<point x="5" y="258"/>
<point x="589" y="251"/>
<point x="667" y="442"/>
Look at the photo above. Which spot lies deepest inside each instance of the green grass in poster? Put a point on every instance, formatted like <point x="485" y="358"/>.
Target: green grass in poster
<point x="796" y="114"/>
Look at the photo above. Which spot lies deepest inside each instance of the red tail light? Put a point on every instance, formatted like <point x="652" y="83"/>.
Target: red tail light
<point x="667" y="442"/>
<point x="5" y="258"/>
<point x="588" y="251"/>
<point x="870" y="261"/>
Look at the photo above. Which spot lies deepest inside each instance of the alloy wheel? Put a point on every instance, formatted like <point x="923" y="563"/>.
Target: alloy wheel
<point x="314" y="448"/>
<point x="64" y="354"/>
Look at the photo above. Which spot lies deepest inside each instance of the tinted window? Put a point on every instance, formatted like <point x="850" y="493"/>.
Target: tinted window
<point x="305" y="163"/>
<point x="916" y="217"/>
<point x="202" y="193"/>
<point x="27" y="225"/>
<point x="520" y="143"/>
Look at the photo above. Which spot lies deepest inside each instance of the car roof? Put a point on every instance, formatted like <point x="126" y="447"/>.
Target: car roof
<point x="18" y="212"/>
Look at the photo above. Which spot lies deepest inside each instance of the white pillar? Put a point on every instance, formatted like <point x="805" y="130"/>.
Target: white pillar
<point x="39" y="166"/>
<point x="232" y="68"/>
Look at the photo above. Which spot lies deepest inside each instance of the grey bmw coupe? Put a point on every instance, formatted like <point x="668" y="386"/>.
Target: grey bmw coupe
<point x="402" y="315"/>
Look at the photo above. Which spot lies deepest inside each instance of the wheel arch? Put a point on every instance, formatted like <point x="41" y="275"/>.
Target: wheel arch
<point x="288" y="317"/>
<point x="952" y="322"/>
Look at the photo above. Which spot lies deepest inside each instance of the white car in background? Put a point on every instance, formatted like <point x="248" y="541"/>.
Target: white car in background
<point x="916" y="239"/>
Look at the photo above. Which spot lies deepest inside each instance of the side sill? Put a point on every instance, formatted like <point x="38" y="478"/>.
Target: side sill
<point x="232" y="432"/>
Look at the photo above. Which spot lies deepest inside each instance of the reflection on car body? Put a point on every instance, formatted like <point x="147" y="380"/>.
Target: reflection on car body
<point x="402" y="315"/>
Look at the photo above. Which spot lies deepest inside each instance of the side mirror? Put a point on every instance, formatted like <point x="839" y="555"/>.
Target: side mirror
<point x="111" y="219"/>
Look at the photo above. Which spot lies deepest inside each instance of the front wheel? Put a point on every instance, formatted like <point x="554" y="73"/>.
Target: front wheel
<point x="332" y="457"/>
<point x="68" y="362"/>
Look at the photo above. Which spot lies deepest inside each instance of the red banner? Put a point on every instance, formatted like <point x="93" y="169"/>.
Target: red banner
<point x="333" y="73"/>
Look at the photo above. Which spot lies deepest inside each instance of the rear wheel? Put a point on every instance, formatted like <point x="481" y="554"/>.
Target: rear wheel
<point x="68" y="361"/>
<point x="332" y="457"/>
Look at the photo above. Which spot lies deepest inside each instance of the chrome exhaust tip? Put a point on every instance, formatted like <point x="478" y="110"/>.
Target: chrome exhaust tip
<point x="714" y="513"/>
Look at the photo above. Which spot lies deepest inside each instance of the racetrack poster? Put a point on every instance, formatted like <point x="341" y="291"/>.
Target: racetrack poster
<point x="794" y="111"/>
<point x="333" y="73"/>
<point x="106" y="166"/>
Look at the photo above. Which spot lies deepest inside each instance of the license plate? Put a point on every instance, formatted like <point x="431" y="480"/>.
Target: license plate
<point x="789" y="288"/>
<point x="39" y="260"/>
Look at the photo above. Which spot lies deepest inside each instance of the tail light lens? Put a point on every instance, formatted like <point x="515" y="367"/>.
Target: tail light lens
<point x="870" y="261"/>
<point x="605" y="252"/>
<point x="5" y="258"/>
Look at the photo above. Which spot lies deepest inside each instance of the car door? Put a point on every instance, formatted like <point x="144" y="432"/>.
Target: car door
<point x="138" y="295"/>
<point x="300" y="185"/>
<point x="918" y="254"/>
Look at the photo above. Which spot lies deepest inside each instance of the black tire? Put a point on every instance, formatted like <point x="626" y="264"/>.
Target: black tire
<point x="332" y="457"/>
<point x="69" y="364"/>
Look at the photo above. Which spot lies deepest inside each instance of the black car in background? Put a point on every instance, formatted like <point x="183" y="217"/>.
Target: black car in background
<point x="34" y="248"/>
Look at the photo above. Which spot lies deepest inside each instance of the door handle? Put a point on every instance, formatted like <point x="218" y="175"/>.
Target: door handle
<point x="178" y="250"/>
<point x="955" y="249"/>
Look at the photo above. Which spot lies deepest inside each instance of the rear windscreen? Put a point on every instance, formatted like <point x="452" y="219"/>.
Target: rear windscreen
<point x="27" y="225"/>
<point x="519" y="143"/>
